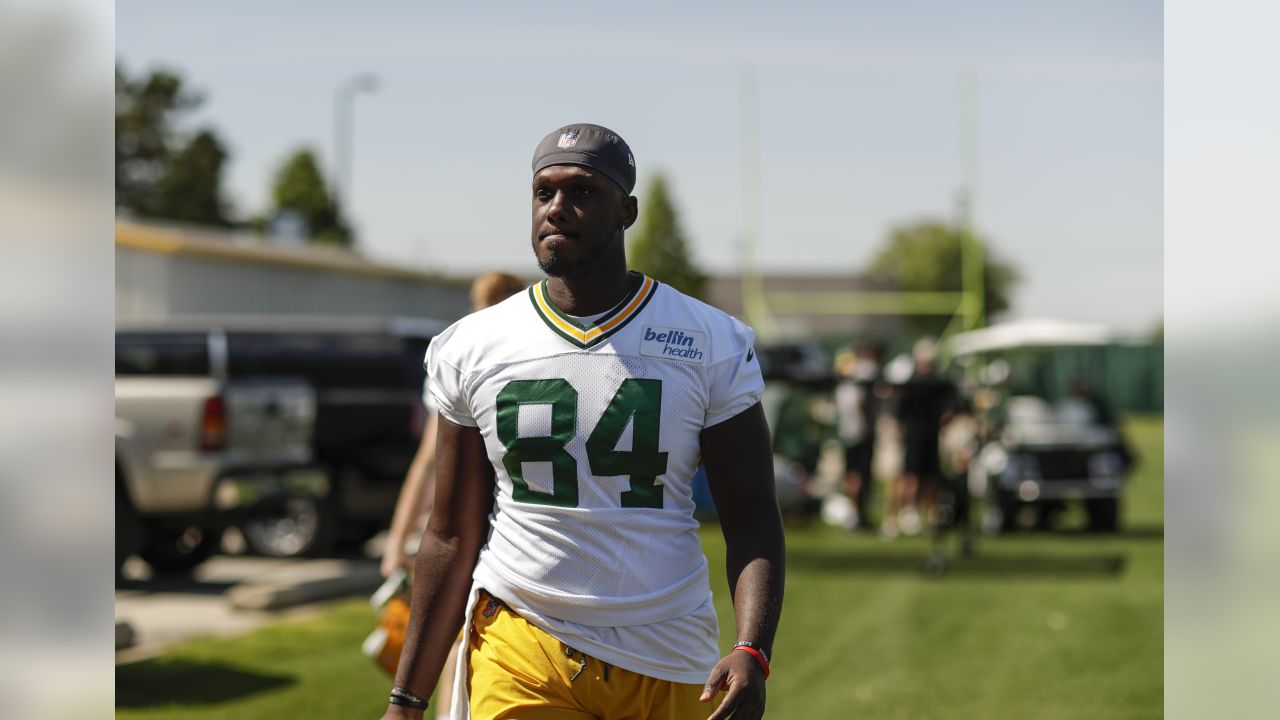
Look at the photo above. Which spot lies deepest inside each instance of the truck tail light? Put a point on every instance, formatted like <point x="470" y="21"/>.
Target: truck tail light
<point x="213" y="425"/>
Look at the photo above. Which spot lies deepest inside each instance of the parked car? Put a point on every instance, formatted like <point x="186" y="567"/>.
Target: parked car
<point x="1039" y="455"/>
<point x="1045" y="455"/>
<point x="197" y="450"/>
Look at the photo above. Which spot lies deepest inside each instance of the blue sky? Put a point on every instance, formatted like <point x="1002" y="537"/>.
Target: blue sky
<point x="858" y="115"/>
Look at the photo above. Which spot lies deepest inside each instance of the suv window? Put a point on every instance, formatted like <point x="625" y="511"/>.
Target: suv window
<point x="162" y="354"/>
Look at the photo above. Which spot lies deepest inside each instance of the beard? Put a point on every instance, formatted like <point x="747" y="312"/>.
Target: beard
<point x="556" y="265"/>
<point x="552" y="267"/>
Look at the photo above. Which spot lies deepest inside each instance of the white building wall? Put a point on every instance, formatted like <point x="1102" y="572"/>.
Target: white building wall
<point x="142" y="285"/>
<point x="153" y="286"/>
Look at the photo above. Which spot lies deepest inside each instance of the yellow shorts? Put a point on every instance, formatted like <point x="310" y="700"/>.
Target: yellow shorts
<point x="515" y="670"/>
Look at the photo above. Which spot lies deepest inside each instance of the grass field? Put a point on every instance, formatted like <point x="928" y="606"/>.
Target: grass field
<point x="1033" y="626"/>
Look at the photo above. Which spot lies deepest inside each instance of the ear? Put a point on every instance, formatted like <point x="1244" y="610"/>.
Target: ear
<point x="630" y="211"/>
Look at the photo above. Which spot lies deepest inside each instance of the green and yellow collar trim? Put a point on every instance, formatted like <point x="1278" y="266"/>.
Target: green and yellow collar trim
<point x="585" y="335"/>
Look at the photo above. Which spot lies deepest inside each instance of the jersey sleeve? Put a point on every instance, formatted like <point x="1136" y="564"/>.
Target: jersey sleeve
<point x="428" y="401"/>
<point x="445" y="392"/>
<point x="734" y="378"/>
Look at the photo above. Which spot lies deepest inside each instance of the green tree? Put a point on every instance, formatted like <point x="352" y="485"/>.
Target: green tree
<point x="159" y="171"/>
<point x="926" y="257"/>
<point x="658" y="248"/>
<point x="191" y="189"/>
<point x="300" y="187"/>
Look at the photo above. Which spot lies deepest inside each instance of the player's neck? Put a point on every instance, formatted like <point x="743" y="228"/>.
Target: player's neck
<point x="591" y="293"/>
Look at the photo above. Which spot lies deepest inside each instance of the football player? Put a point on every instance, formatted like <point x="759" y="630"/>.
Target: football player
<point x="572" y="419"/>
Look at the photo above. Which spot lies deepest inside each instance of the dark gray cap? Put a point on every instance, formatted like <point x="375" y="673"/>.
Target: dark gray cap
<point x="592" y="146"/>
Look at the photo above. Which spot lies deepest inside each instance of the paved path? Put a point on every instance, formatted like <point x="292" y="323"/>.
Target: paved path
<point x="226" y="594"/>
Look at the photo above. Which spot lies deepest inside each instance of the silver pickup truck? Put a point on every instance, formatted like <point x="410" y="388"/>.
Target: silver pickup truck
<point x="197" y="451"/>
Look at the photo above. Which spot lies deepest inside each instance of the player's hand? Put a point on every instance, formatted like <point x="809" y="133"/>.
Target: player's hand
<point x="742" y="677"/>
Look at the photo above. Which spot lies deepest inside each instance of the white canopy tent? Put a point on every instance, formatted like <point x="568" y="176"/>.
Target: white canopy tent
<point x="1037" y="333"/>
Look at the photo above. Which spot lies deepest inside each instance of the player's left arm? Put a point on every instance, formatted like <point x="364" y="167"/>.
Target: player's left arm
<point x="739" y="466"/>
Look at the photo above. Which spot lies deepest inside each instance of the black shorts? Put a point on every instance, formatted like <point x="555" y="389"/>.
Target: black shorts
<point x="857" y="458"/>
<point x="921" y="459"/>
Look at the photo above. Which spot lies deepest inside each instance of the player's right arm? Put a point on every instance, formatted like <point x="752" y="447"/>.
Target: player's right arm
<point x="446" y="559"/>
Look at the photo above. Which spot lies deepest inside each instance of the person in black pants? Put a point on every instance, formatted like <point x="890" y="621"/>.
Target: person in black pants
<point x="924" y="402"/>
<point x="858" y="402"/>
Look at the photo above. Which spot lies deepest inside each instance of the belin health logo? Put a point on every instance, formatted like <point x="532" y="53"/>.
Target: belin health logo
<point x="673" y="344"/>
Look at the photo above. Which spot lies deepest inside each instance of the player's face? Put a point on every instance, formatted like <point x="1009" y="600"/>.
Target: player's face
<point x="578" y="218"/>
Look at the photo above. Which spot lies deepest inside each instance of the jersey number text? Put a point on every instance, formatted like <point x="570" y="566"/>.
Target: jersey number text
<point x="637" y="400"/>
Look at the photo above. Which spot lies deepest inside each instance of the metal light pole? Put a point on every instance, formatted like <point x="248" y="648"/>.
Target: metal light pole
<point x="343" y="103"/>
<point x="971" y="251"/>
<point x="755" y="308"/>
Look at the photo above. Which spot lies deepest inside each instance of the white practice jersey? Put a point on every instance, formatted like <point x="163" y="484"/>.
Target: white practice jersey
<point x="593" y="431"/>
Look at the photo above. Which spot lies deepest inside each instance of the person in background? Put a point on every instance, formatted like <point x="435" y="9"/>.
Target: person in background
<point x="924" y="401"/>
<point x="798" y="439"/>
<point x="415" y="501"/>
<point x="857" y="409"/>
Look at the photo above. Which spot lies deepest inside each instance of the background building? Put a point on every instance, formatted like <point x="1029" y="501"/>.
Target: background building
<point x="169" y="271"/>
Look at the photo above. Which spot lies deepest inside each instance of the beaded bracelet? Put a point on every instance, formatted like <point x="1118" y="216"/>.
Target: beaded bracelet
<point x="400" y="696"/>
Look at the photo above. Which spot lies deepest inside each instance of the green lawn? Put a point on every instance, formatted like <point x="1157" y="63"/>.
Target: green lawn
<point x="1033" y="626"/>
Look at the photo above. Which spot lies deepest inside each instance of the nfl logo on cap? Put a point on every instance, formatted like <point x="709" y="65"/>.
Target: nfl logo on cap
<point x="569" y="139"/>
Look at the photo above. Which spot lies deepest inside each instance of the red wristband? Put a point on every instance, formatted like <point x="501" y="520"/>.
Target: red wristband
<point x="759" y="656"/>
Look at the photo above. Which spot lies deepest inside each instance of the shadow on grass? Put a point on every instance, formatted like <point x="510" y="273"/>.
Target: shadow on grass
<point x="1137" y="532"/>
<point x="998" y="566"/>
<point x="1143" y="532"/>
<point x="1038" y="565"/>
<point x="153" y="683"/>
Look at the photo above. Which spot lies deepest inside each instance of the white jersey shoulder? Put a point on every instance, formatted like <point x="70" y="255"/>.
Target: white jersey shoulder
<point x="465" y="345"/>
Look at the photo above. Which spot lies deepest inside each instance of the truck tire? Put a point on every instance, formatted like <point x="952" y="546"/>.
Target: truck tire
<point x="171" y="550"/>
<point x="308" y="528"/>
<point x="1104" y="514"/>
